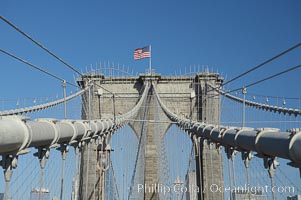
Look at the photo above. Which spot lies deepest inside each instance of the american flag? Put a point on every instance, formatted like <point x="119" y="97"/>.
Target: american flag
<point x="142" y="53"/>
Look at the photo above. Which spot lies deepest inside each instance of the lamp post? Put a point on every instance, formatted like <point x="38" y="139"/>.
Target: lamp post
<point x="244" y="92"/>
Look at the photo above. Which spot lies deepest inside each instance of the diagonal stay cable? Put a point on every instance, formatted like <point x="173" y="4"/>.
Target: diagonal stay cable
<point x="39" y="44"/>
<point x="36" y="67"/>
<point x="263" y="63"/>
<point x="105" y="89"/>
<point x="44" y="48"/>
<point x="267" y="78"/>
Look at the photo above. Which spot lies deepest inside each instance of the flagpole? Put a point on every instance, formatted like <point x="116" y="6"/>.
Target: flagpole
<point x="150" y="59"/>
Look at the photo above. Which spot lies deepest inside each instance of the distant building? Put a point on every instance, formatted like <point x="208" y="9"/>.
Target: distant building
<point x="55" y="198"/>
<point x="243" y="194"/>
<point x="2" y="197"/>
<point x="192" y="193"/>
<point x="40" y="194"/>
<point x="296" y="197"/>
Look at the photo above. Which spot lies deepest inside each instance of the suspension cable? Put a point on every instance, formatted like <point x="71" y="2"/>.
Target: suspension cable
<point x="274" y="97"/>
<point x="40" y="45"/>
<point x="264" y="63"/>
<point x="37" y="68"/>
<point x="267" y="78"/>
<point x="42" y="106"/>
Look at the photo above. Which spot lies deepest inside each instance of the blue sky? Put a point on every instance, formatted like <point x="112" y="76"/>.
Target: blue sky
<point x="229" y="37"/>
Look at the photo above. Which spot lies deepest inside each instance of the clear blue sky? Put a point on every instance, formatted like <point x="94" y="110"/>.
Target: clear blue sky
<point x="229" y="37"/>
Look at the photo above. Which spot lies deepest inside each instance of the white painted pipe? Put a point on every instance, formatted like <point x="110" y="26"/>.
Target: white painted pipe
<point x="266" y="142"/>
<point x="17" y="134"/>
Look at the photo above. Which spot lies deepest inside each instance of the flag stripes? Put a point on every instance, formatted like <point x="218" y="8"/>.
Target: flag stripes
<point x="141" y="53"/>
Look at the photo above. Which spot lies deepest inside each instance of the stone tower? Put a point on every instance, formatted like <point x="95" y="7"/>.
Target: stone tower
<point x="190" y="97"/>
